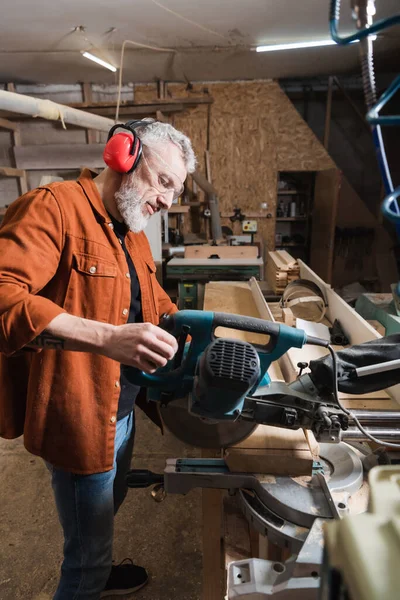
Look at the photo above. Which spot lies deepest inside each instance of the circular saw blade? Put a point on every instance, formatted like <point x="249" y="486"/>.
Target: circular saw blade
<point x="203" y="433"/>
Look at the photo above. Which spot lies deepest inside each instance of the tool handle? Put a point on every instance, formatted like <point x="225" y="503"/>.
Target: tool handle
<point x="141" y="478"/>
<point x="244" y="323"/>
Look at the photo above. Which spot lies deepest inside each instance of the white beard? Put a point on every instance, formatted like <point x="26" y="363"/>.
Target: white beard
<point x="130" y="206"/>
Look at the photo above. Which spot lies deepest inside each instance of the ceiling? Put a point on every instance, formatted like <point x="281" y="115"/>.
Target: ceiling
<point x="214" y="40"/>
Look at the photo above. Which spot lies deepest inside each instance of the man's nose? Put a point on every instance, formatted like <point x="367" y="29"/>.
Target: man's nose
<point x="164" y="202"/>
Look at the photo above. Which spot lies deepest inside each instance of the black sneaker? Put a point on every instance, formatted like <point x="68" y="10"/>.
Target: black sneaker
<point x="125" y="578"/>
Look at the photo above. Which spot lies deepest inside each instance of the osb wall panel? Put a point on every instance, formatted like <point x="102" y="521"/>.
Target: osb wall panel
<point x="255" y="131"/>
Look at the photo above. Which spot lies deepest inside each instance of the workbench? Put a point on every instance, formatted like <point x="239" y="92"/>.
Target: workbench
<point x="194" y="272"/>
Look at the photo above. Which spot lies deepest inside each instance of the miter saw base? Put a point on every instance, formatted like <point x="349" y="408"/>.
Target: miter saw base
<point x="289" y="511"/>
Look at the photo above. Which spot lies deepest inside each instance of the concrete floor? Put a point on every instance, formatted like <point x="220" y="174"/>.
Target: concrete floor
<point x="164" y="537"/>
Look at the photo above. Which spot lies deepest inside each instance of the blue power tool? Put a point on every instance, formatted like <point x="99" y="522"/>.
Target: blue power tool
<point x="218" y="374"/>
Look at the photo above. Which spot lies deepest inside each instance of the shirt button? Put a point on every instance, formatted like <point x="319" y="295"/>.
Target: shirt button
<point x="113" y="419"/>
<point x="93" y="269"/>
<point x="120" y="241"/>
<point x="125" y="312"/>
<point x="111" y="225"/>
<point x="127" y="275"/>
<point x="117" y="384"/>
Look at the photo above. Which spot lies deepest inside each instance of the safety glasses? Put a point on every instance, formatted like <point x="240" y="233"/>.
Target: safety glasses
<point x="164" y="180"/>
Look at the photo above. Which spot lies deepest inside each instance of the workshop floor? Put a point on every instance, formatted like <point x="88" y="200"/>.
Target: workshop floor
<point x="164" y="537"/>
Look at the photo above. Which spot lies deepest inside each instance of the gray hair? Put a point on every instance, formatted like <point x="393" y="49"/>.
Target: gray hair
<point x="157" y="131"/>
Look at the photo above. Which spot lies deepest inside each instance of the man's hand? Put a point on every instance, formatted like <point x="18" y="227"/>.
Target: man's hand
<point x="141" y="345"/>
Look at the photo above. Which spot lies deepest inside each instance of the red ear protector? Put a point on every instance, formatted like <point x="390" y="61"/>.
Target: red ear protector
<point x="123" y="150"/>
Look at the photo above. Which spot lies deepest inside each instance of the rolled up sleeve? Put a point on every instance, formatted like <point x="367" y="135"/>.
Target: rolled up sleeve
<point x="31" y="242"/>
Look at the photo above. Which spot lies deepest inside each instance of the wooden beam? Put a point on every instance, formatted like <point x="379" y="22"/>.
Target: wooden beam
<point x="59" y="156"/>
<point x="91" y="134"/>
<point x="23" y="180"/>
<point x="148" y="109"/>
<point x="206" y="251"/>
<point x="6" y="124"/>
<point x="11" y="172"/>
<point x="160" y="102"/>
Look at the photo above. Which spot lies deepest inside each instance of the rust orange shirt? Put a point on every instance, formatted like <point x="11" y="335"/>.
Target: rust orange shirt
<point x="58" y="253"/>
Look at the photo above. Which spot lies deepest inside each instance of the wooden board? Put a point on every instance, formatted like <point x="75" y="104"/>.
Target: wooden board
<point x="206" y="251"/>
<point x="281" y="269"/>
<point x="326" y="197"/>
<point x="59" y="156"/>
<point x="274" y="451"/>
<point x="237" y="298"/>
<point x="6" y="124"/>
<point x="11" y="172"/>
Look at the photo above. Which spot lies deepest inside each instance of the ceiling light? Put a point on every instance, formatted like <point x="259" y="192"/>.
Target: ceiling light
<point x="295" y="45"/>
<point x="99" y="61"/>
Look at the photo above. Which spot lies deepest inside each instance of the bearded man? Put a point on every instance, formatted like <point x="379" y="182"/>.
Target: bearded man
<point x="79" y="301"/>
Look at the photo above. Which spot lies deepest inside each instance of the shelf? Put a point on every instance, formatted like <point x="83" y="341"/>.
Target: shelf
<point x="178" y="208"/>
<point x="290" y="244"/>
<point x="291" y="218"/>
<point x="294" y="192"/>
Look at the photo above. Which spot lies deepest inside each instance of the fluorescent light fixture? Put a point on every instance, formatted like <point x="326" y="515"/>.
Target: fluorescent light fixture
<point x="295" y="45"/>
<point x="99" y="61"/>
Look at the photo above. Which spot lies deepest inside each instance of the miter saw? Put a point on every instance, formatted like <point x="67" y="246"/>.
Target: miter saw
<point x="215" y="392"/>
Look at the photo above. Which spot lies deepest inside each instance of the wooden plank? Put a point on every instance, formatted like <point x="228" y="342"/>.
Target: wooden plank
<point x="159" y="102"/>
<point x="6" y="124"/>
<point x="288" y="317"/>
<point x="11" y="172"/>
<point x="326" y="197"/>
<point x="272" y="461"/>
<point x="206" y="251"/>
<point x="23" y="180"/>
<point x="282" y="268"/>
<point x="91" y="134"/>
<point x="238" y="298"/>
<point x="381" y="329"/>
<point x="59" y="156"/>
<point x="178" y="208"/>
<point x="138" y="111"/>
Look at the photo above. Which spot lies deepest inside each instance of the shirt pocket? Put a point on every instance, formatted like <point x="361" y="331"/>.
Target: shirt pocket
<point x="91" y="288"/>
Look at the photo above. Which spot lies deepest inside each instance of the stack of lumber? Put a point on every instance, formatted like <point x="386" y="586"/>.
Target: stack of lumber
<point x="282" y="268"/>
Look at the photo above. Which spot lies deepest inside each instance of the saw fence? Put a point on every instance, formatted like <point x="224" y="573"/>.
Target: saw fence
<point x="227" y="535"/>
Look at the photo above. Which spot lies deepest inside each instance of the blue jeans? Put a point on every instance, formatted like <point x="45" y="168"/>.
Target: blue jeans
<point x="86" y="506"/>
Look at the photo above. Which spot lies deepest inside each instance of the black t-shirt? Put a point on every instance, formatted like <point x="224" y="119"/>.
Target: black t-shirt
<point x="129" y="391"/>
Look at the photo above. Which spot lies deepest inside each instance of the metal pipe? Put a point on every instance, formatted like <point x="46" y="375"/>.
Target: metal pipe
<point x="36" y="107"/>
<point x="378" y="416"/>
<point x="390" y="365"/>
<point x="385" y="434"/>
